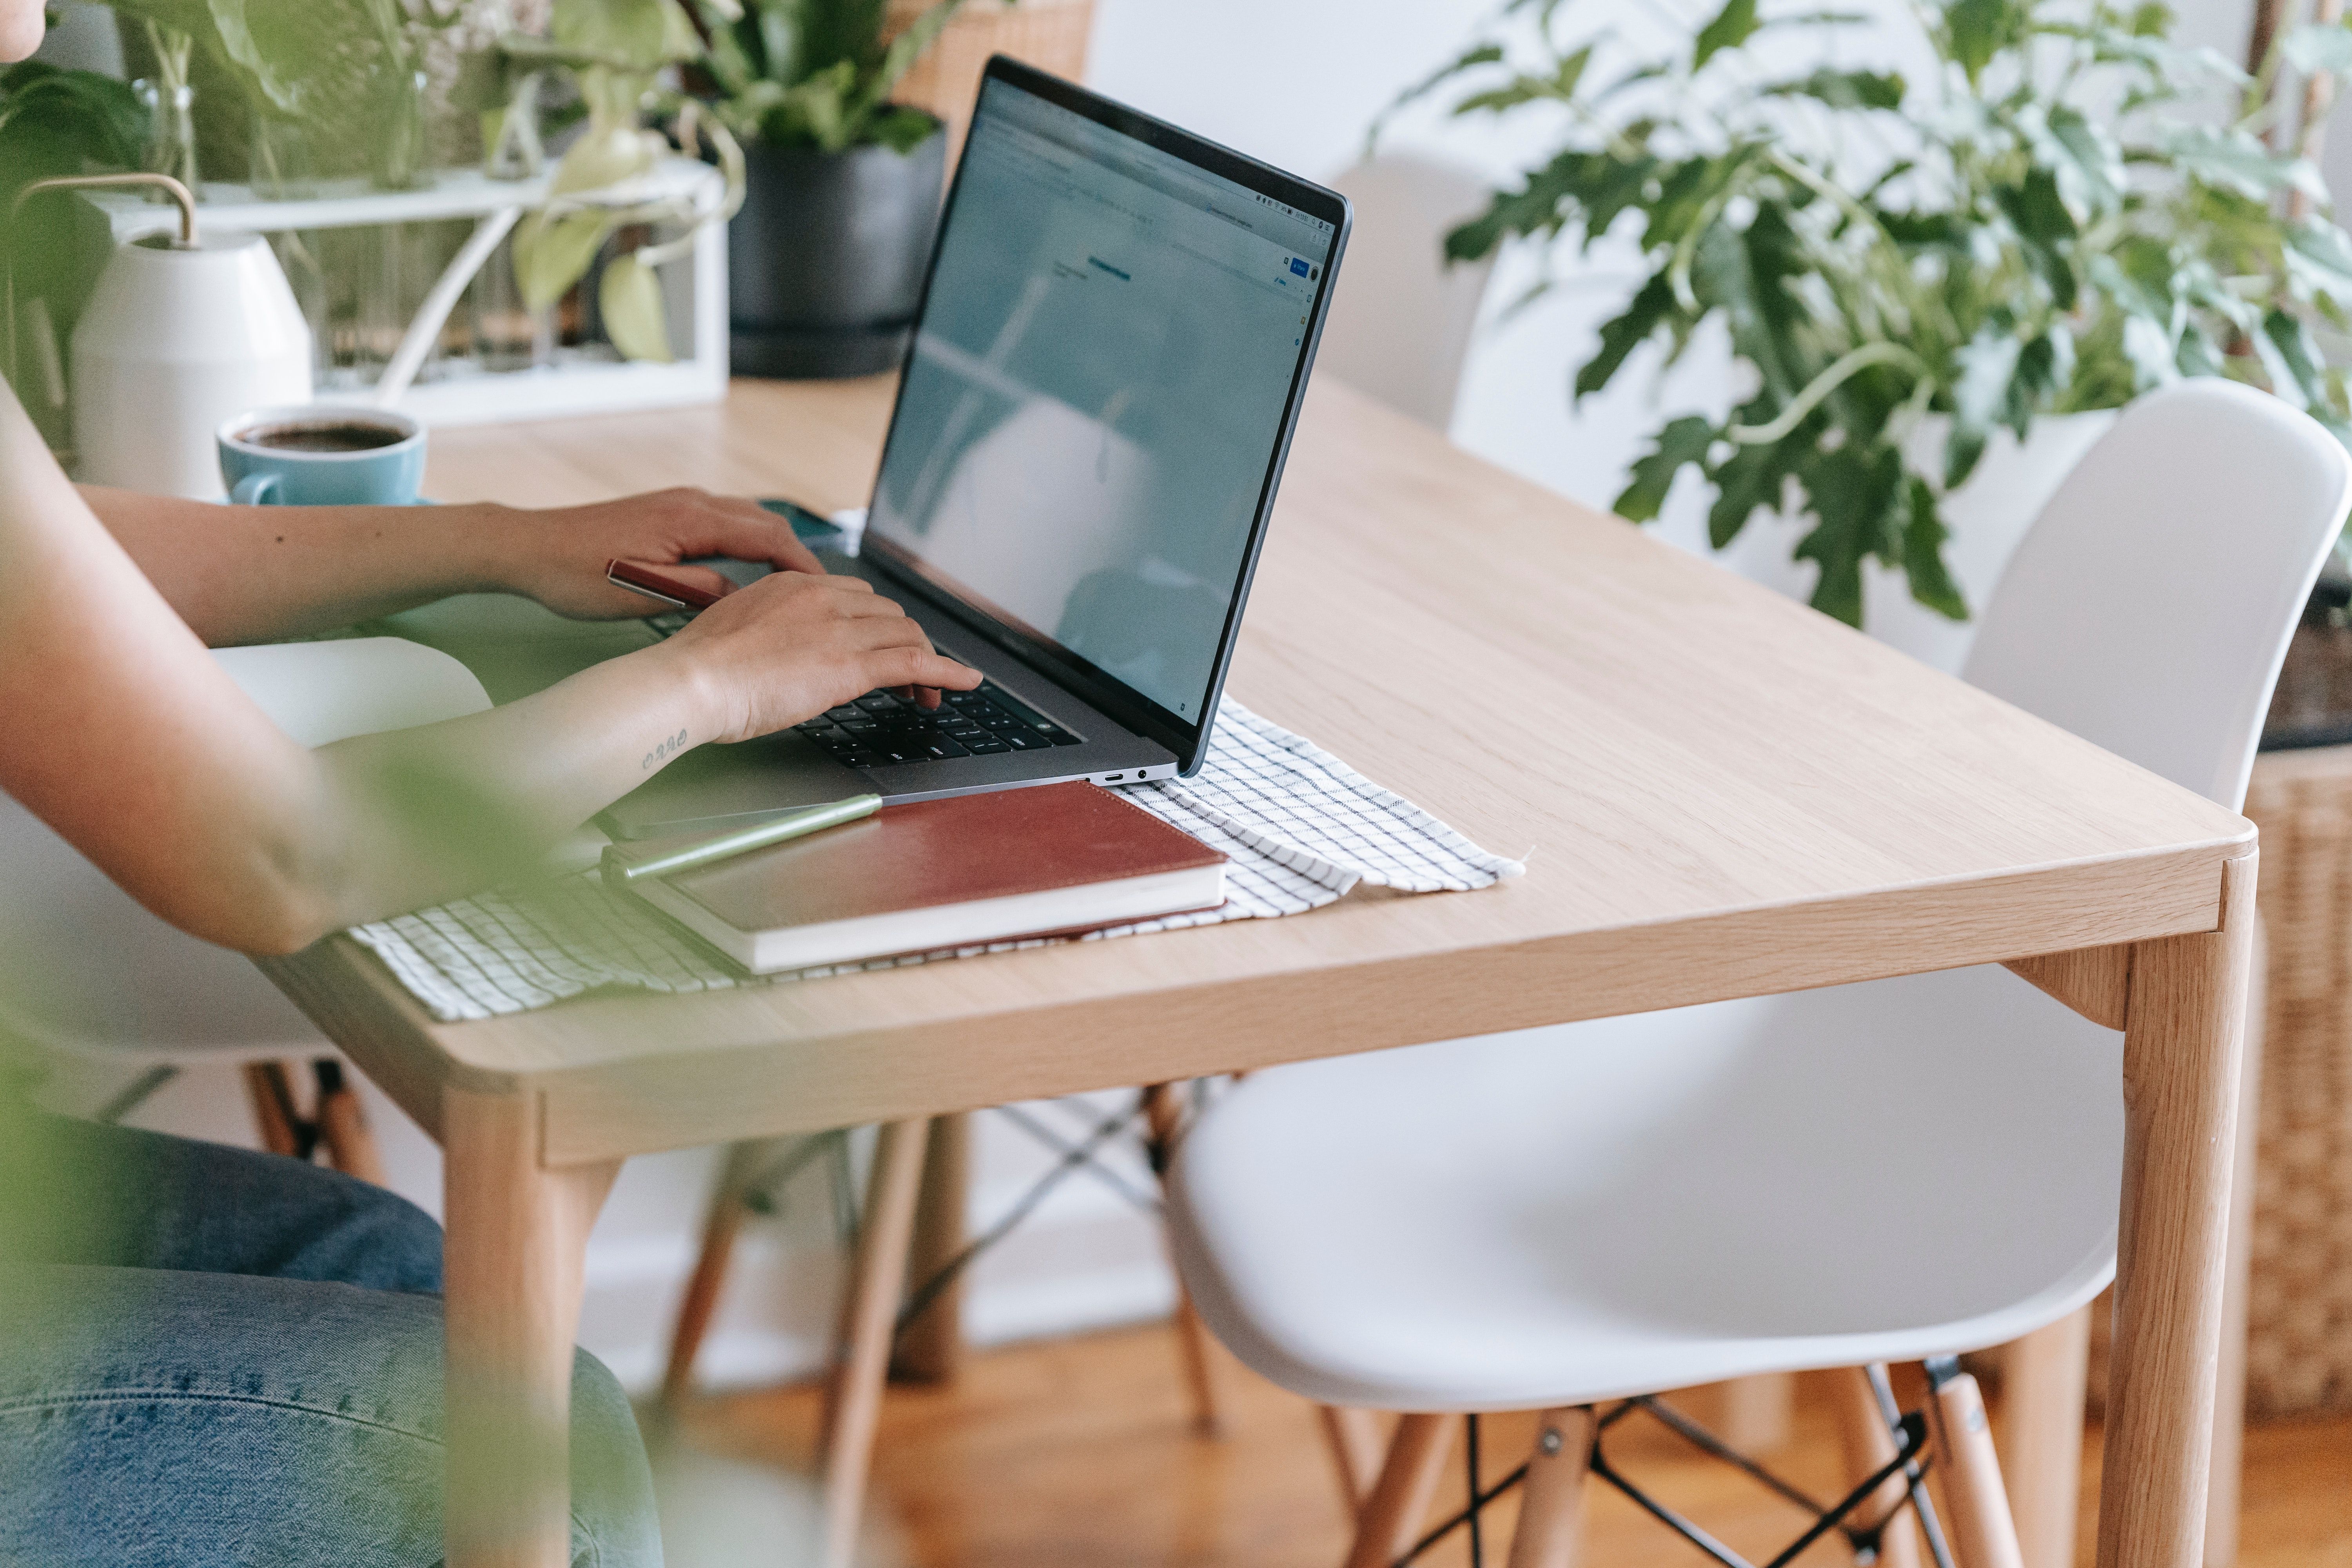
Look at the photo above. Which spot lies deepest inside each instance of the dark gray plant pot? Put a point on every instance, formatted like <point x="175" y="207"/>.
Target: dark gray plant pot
<point x="824" y="263"/>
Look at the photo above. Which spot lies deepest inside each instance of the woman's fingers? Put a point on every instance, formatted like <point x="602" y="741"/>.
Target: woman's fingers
<point x="893" y="667"/>
<point x="748" y="531"/>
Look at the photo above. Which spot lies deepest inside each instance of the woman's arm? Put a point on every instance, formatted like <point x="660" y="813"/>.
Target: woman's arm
<point x="118" y="730"/>
<point x="258" y="573"/>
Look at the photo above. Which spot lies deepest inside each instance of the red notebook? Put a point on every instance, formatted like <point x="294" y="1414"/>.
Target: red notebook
<point x="1049" y="861"/>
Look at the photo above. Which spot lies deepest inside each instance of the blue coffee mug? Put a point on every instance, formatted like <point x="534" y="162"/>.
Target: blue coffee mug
<point x="306" y="455"/>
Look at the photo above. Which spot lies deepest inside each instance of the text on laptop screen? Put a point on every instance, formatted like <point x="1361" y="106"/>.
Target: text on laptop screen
<point x="1094" y="397"/>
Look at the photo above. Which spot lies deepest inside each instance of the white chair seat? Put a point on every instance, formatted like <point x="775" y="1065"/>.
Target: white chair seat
<point x="1579" y="1213"/>
<point x="90" y="973"/>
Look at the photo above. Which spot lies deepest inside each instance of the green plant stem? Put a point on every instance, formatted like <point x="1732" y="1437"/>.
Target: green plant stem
<point x="1819" y="387"/>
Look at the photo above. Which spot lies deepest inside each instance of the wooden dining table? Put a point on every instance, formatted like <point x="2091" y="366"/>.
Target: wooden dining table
<point x="1718" y="791"/>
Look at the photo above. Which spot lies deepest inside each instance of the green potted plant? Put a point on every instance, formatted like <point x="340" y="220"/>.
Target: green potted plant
<point x="617" y="51"/>
<point x="2045" y="231"/>
<point x="826" y="259"/>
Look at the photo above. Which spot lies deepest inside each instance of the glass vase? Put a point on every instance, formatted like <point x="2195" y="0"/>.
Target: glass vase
<point x="171" y="130"/>
<point x="400" y="130"/>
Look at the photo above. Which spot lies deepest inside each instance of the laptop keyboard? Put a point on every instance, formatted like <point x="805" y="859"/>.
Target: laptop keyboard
<point x="879" y="731"/>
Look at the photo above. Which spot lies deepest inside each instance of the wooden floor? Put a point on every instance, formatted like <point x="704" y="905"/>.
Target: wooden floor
<point x="1078" y="1452"/>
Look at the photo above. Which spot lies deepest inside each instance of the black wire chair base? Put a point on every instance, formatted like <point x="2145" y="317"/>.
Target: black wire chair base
<point x="1866" y="1539"/>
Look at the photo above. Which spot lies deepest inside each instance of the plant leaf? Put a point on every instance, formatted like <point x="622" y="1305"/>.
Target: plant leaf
<point x="1923" y="553"/>
<point x="551" y="255"/>
<point x="2322" y="47"/>
<point x="1682" y="441"/>
<point x="1846" y="89"/>
<point x="2293" y="353"/>
<point x="1985" y="365"/>
<point x="1978" y="29"/>
<point x="1621" y="334"/>
<point x="1733" y="26"/>
<point x="2237" y="161"/>
<point x="630" y="298"/>
<point x="1854" y="493"/>
<point x="1751" y="478"/>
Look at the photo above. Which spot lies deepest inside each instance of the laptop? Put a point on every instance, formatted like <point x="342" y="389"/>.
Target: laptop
<point x="1097" y="399"/>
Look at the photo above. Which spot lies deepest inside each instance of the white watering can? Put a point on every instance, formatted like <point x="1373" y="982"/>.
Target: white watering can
<point x="179" y="334"/>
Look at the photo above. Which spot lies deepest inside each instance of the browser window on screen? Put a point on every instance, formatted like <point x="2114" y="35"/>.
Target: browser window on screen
<point x="1094" y="398"/>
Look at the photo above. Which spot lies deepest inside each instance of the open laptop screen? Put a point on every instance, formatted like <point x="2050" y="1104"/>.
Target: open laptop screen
<point x="1097" y="392"/>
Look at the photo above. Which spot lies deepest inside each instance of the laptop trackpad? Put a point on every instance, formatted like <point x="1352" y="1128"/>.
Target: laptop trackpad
<point x="716" y="787"/>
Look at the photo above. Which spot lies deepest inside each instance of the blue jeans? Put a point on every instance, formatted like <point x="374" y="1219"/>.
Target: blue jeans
<point x="209" y="1356"/>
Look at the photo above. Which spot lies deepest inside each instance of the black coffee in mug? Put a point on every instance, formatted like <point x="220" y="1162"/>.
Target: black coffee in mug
<point x="323" y="435"/>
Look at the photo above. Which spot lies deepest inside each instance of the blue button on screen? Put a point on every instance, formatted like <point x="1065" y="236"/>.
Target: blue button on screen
<point x="1298" y="266"/>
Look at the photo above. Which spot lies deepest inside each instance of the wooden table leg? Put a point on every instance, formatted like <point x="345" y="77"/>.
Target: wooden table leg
<point x="2230" y="1381"/>
<point x="2181" y="1043"/>
<point x="931" y="1349"/>
<point x="516" y="1241"/>
<point x="853" y="1406"/>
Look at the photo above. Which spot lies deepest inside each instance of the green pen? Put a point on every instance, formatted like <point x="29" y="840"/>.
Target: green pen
<point x="619" y="873"/>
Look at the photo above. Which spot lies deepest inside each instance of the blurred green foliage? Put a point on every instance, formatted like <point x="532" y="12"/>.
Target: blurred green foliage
<point x="2048" y="226"/>
<point x="816" y="73"/>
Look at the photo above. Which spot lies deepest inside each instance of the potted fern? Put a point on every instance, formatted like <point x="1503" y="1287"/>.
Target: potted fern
<point x="826" y="259"/>
<point x="1904" y="269"/>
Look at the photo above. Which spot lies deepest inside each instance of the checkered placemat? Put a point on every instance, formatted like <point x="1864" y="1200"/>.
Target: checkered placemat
<point x="1301" y="829"/>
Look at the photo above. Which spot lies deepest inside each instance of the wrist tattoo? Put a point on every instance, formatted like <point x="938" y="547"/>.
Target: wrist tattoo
<point x="669" y="747"/>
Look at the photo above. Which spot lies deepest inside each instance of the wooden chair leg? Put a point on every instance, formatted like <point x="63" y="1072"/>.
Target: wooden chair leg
<point x="721" y="1226"/>
<point x="2043" y="1392"/>
<point x="1163" y="1112"/>
<point x="343" y="1124"/>
<point x="274" y="1116"/>
<point x="1870" y="1446"/>
<point x="1754" y="1414"/>
<point x="1393" y="1515"/>
<point x="1551" y="1511"/>
<point x="853" y="1406"/>
<point x="1353" y="1438"/>
<point x="1976" y="1505"/>
<point x="931" y="1349"/>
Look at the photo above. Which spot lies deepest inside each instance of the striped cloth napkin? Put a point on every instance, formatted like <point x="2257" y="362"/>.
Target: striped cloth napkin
<point x="1301" y="829"/>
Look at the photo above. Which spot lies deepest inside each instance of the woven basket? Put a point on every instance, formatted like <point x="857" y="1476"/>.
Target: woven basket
<point x="2299" y="1306"/>
<point x="1048" y="34"/>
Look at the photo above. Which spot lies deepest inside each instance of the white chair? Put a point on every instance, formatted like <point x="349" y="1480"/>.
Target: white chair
<point x="1400" y="317"/>
<point x="1888" y="1172"/>
<point x="92" y="975"/>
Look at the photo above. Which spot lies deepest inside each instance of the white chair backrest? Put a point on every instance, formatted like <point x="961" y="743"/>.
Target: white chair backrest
<point x="83" y="968"/>
<point x="322" y="692"/>
<point x="1401" y="319"/>
<point x="2149" y="607"/>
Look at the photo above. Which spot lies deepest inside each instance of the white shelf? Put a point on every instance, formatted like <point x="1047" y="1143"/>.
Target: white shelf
<point x="694" y="288"/>
<point x="346" y="203"/>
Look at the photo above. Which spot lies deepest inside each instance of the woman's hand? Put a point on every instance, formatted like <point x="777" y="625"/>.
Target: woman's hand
<point x="557" y="556"/>
<point x="788" y="646"/>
